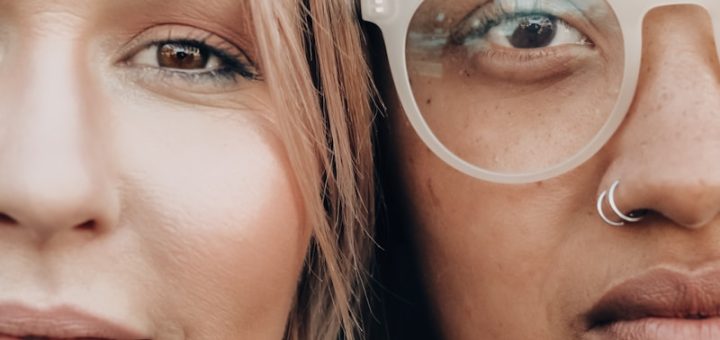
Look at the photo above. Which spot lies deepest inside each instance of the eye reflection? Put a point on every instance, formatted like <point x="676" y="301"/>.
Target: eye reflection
<point x="530" y="31"/>
<point x="189" y="56"/>
<point x="182" y="56"/>
<point x="534" y="32"/>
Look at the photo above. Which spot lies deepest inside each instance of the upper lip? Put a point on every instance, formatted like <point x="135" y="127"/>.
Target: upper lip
<point x="64" y="322"/>
<point x="660" y="293"/>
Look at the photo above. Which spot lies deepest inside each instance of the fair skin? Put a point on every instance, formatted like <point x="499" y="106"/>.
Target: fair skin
<point x="531" y="261"/>
<point x="136" y="191"/>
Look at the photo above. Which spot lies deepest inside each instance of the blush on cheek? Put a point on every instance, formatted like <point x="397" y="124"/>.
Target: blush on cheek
<point x="222" y="225"/>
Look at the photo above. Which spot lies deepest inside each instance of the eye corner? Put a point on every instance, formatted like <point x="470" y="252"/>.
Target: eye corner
<point x="229" y="68"/>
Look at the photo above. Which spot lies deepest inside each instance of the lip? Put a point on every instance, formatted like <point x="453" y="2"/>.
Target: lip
<point x="661" y="304"/>
<point x="64" y="322"/>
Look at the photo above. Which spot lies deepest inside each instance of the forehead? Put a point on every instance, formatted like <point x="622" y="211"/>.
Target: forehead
<point x="84" y="5"/>
<point x="230" y="19"/>
<point x="113" y="11"/>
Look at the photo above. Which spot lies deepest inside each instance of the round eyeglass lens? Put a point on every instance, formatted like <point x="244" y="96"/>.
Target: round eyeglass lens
<point x="515" y="86"/>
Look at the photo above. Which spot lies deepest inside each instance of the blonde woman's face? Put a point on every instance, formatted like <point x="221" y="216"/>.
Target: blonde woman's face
<point x="144" y="190"/>
<point x="535" y="261"/>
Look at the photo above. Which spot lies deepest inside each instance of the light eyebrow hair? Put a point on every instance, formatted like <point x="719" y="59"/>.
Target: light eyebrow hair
<point x="229" y="19"/>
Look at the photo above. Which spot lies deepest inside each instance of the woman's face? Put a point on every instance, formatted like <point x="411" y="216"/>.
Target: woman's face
<point x="535" y="261"/>
<point x="144" y="190"/>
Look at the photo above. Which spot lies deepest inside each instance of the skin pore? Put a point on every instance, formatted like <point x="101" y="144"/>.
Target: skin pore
<point x="147" y="189"/>
<point x="530" y="261"/>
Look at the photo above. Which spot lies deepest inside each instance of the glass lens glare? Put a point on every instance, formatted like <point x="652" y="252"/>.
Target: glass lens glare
<point x="515" y="86"/>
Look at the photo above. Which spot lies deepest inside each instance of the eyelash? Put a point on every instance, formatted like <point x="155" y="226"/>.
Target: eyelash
<point x="235" y="63"/>
<point x="480" y="21"/>
<point x="490" y="17"/>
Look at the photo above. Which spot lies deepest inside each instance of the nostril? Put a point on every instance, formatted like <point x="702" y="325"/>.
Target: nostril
<point x="639" y="213"/>
<point x="87" y="226"/>
<point x="5" y="219"/>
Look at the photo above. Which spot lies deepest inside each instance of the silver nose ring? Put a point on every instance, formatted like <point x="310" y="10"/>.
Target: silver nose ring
<point x="629" y="218"/>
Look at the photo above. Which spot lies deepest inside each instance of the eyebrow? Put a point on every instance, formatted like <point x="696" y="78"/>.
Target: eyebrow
<point x="234" y="12"/>
<point x="209" y="11"/>
<point x="230" y="19"/>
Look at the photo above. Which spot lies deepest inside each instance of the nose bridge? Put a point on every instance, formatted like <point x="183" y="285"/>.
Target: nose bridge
<point x="51" y="169"/>
<point x="710" y="7"/>
<point x="679" y="85"/>
<point x="631" y="14"/>
<point x="642" y="7"/>
<point x="50" y="116"/>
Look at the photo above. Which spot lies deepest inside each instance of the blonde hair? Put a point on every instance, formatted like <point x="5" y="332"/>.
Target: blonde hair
<point x="317" y="73"/>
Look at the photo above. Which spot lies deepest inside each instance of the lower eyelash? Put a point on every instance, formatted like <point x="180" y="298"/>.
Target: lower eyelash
<point x="222" y="76"/>
<point x="219" y="79"/>
<point x="243" y="72"/>
<point x="235" y="67"/>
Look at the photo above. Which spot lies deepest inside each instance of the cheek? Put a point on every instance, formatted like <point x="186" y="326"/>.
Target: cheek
<point x="494" y="254"/>
<point x="216" y="208"/>
<point x="518" y="128"/>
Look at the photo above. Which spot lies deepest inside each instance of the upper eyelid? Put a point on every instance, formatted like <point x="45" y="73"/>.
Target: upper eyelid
<point x="244" y="68"/>
<point x="492" y="10"/>
<point x="218" y="51"/>
<point x="464" y="27"/>
<point x="172" y="32"/>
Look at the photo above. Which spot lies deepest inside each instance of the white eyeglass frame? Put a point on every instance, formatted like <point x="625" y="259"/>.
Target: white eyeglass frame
<point x="393" y="17"/>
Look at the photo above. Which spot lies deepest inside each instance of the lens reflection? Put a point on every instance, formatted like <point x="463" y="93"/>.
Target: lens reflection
<point x="515" y="86"/>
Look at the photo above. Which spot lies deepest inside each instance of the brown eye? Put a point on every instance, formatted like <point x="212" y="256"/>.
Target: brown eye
<point x="182" y="56"/>
<point x="196" y="59"/>
<point x="534" y="32"/>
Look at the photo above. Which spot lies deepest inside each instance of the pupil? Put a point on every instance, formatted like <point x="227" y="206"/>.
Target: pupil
<point x="182" y="56"/>
<point x="534" y="32"/>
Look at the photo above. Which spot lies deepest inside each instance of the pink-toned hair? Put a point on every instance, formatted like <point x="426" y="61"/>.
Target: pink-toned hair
<point x="313" y="62"/>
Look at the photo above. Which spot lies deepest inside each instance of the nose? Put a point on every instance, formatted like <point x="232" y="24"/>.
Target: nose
<point x="54" y="177"/>
<point x="667" y="153"/>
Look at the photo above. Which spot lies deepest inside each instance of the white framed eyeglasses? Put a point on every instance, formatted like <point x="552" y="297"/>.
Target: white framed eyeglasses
<point x="516" y="91"/>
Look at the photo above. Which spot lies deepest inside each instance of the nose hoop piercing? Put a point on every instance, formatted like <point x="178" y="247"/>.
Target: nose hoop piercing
<point x="600" y="211"/>
<point x="611" y="200"/>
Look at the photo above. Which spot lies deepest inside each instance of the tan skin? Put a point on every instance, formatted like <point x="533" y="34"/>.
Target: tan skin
<point x="527" y="261"/>
<point x="136" y="187"/>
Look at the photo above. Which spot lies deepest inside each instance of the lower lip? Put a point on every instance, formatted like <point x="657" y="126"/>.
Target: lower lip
<point x="7" y="337"/>
<point x="659" y="329"/>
